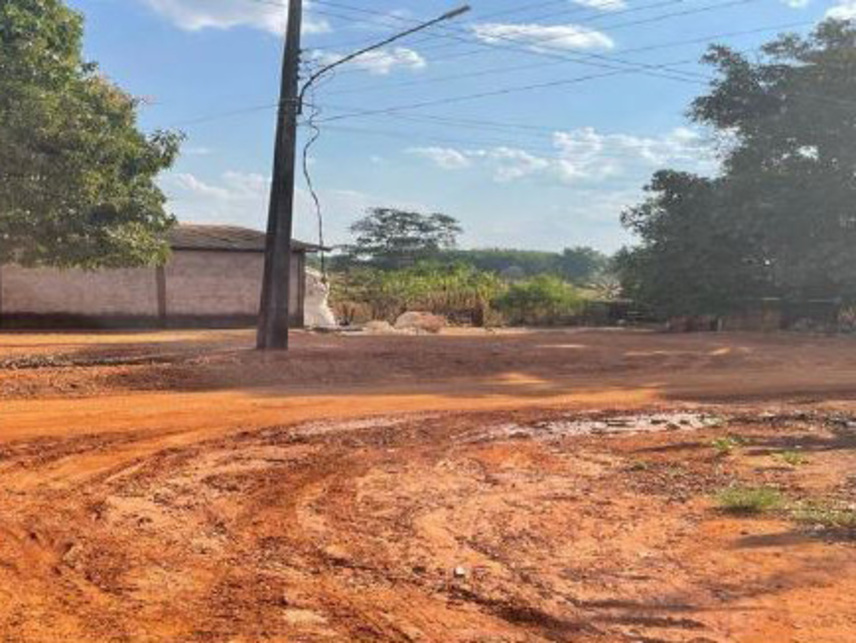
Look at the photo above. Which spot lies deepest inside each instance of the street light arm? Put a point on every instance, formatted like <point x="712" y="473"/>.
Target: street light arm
<point x="449" y="15"/>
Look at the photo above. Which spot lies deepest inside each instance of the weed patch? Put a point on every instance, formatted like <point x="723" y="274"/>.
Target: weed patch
<point x="824" y="515"/>
<point x="749" y="500"/>
<point x="791" y="457"/>
<point x="727" y="444"/>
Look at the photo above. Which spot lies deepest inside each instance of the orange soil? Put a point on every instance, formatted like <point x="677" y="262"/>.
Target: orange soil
<point x="177" y="486"/>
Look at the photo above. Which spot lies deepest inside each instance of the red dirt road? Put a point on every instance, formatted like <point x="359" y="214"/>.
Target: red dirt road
<point x="179" y="487"/>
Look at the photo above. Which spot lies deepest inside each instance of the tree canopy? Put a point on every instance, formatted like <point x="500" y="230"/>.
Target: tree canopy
<point x="392" y="238"/>
<point x="580" y="264"/>
<point x="77" y="176"/>
<point x="388" y="238"/>
<point x="779" y="219"/>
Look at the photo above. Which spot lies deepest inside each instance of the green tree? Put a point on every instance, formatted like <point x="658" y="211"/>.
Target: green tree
<point x="543" y="299"/>
<point x="392" y="238"/>
<point x="790" y="173"/>
<point x="779" y="219"/>
<point x="690" y="259"/>
<point x="582" y="264"/>
<point x="504" y="261"/>
<point x="77" y="177"/>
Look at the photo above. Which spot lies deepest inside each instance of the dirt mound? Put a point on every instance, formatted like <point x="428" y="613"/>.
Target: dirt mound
<point x="379" y="327"/>
<point x="420" y="321"/>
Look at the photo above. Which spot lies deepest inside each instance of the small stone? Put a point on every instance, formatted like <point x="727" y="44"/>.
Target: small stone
<point x="459" y="572"/>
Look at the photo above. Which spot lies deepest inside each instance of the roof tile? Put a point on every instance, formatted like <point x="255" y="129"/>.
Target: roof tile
<point x="192" y="236"/>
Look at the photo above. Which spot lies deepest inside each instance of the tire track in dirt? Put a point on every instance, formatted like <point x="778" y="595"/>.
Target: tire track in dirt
<point x="354" y="532"/>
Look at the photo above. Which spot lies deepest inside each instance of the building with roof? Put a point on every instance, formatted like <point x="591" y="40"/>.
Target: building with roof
<point x="212" y="278"/>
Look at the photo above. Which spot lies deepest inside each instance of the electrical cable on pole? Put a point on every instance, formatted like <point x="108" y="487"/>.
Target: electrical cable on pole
<point x="449" y="15"/>
<point x="315" y="133"/>
<point x="273" y="326"/>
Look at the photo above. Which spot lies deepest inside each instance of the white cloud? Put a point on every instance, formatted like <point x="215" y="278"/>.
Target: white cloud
<point x="241" y="198"/>
<point x="603" y="5"/>
<point x="509" y="164"/>
<point x="445" y="158"/>
<point x="506" y="163"/>
<point x="585" y="155"/>
<point x="574" y="216"/>
<point x="194" y="15"/>
<point x="189" y="183"/>
<point x="842" y="10"/>
<point x="235" y="192"/>
<point x="544" y="37"/>
<point x="796" y="4"/>
<point x="380" y="21"/>
<point x="380" y="61"/>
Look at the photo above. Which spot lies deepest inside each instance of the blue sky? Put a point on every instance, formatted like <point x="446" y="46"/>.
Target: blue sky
<point x="520" y="166"/>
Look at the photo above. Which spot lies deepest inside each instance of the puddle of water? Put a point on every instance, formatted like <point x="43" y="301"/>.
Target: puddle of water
<point x="621" y="424"/>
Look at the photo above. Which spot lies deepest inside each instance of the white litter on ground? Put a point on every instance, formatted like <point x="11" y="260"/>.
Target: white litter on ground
<point x="551" y="429"/>
<point x="317" y="312"/>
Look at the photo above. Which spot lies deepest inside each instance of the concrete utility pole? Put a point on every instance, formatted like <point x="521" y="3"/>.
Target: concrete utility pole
<point x="273" y="328"/>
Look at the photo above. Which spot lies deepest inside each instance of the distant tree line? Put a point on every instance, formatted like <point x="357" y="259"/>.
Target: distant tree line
<point x="390" y="239"/>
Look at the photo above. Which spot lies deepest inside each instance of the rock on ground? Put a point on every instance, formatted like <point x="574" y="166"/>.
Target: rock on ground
<point x="416" y="320"/>
<point x="379" y="326"/>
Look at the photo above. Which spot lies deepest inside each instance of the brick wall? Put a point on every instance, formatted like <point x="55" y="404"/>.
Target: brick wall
<point x="197" y="284"/>
<point x="48" y="291"/>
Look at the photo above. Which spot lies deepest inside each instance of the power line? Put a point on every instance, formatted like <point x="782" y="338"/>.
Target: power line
<point x="606" y="61"/>
<point x="449" y="15"/>
<point x="585" y="59"/>
<point x="314" y="112"/>
<point x="690" y="77"/>
<point x="526" y="7"/>
<point x="609" y="62"/>
<point x="462" y="35"/>
<point x="389" y="110"/>
<point x="220" y="115"/>
<point x="597" y="13"/>
<point x="510" y="90"/>
<point x="502" y="91"/>
<point x="427" y="37"/>
<point x="504" y="69"/>
<point x="477" y="95"/>
<point x="456" y="33"/>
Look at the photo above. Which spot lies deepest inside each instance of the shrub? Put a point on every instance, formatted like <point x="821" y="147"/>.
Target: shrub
<point x="748" y="500"/>
<point x="458" y="292"/>
<point x="544" y="299"/>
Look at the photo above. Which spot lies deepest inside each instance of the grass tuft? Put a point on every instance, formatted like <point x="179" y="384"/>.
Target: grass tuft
<point x="727" y="444"/>
<point x="824" y="515"/>
<point x="749" y="500"/>
<point x="792" y="458"/>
